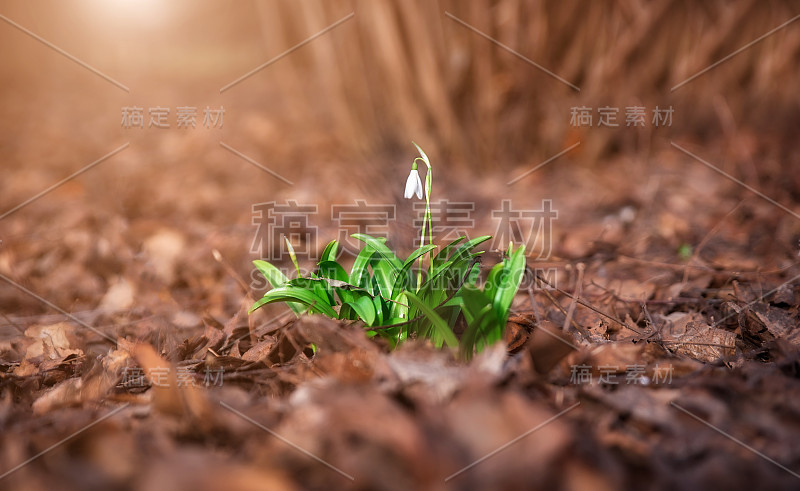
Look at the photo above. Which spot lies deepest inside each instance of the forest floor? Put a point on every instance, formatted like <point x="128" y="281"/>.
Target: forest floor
<point x="678" y="368"/>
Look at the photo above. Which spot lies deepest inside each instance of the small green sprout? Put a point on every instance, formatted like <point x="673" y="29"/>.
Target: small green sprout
<point x="685" y="252"/>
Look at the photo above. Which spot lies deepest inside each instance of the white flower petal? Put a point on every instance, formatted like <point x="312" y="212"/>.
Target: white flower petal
<point x="413" y="185"/>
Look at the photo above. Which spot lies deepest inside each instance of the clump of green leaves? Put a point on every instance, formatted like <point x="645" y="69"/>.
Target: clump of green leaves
<point x="383" y="292"/>
<point x="486" y="310"/>
<point x="393" y="302"/>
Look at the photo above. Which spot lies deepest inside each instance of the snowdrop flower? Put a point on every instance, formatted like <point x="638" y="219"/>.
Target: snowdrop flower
<point x="413" y="183"/>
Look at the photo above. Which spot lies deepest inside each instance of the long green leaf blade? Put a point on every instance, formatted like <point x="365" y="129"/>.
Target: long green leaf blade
<point x="379" y="245"/>
<point x="332" y="271"/>
<point x="441" y="257"/>
<point x="295" y="294"/>
<point x="276" y="279"/>
<point x="440" y="326"/>
<point x="364" y="308"/>
<point x="330" y="251"/>
<point x="359" y="275"/>
<point x="273" y="275"/>
<point x="403" y="280"/>
<point x="292" y="255"/>
<point x="509" y="284"/>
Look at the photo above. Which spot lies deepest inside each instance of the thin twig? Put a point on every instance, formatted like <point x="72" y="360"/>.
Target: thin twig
<point x="588" y="306"/>
<point x="557" y="305"/>
<point x="12" y="323"/>
<point x="232" y="272"/>
<point x="534" y="310"/>
<point x="705" y="240"/>
<point x="578" y="289"/>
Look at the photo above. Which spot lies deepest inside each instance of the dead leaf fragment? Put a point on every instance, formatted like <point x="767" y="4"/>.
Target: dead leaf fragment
<point x="163" y="250"/>
<point x="119" y="297"/>
<point x="53" y="341"/>
<point x="548" y="345"/>
<point x="260" y="350"/>
<point x="170" y="396"/>
<point x="690" y="335"/>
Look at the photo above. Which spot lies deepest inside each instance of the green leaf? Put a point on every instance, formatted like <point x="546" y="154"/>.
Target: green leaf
<point x="450" y="276"/>
<point x="474" y="274"/>
<point x="440" y="327"/>
<point x="292" y="255"/>
<point x="463" y="252"/>
<point x="473" y="300"/>
<point x="359" y="275"/>
<point x="398" y="308"/>
<point x="465" y="248"/>
<point x="352" y="302"/>
<point x="276" y="279"/>
<point x="385" y="276"/>
<point x="494" y="278"/>
<point x="416" y="254"/>
<point x="296" y="294"/>
<point x="329" y="253"/>
<point x="379" y="245"/>
<point x="382" y="310"/>
<point x="273" y="275"/>
<point x="319" y="286"/>
<point x="403" y="280"/>
<point x="346" y="312"/>
<point x="363" y="306"/>
<point x="482" y="323"/>
<point x="385" y="265"/>
<point x="509" y="284"/>
<point x="332" y="271"/>
<point x="441" y="257"/>
<point x="481" y="333"/>
<point x="447" y="277"/>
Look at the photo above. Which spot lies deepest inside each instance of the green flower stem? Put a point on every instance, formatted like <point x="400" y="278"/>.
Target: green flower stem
<point x="428" y="186"/>
<point x="426" y="220"/>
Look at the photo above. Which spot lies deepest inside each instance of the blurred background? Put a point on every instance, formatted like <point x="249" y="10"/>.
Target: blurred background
<point x="487" y="88"/>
